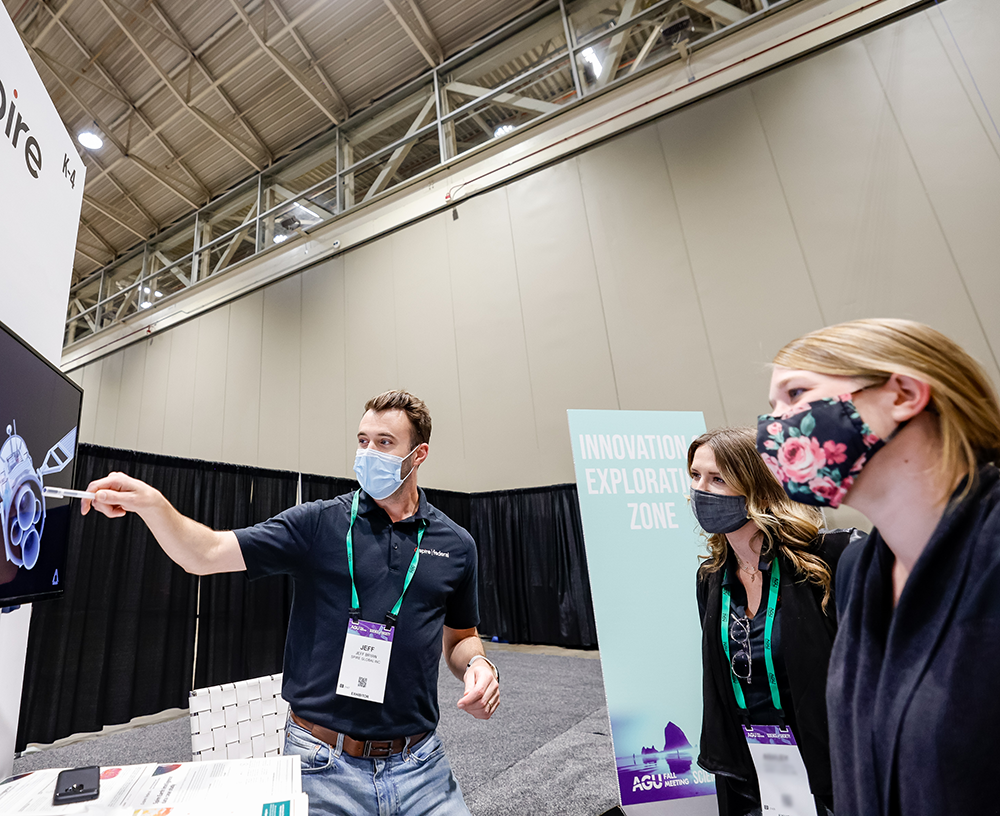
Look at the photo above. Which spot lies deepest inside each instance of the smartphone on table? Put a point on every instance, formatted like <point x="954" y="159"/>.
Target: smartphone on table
<point x="77" y="785"/>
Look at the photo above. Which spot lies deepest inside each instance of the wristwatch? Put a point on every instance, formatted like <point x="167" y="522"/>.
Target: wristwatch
<point x="496" y="671"/>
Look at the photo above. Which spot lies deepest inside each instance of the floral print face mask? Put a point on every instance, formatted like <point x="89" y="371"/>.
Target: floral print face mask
<point x="817" y="452"/>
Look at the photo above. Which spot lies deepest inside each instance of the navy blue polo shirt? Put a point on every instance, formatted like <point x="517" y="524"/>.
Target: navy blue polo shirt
<point x="309" y="542"/>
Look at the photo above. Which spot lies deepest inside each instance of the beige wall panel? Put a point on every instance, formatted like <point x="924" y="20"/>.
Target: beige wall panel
<point x="178" y="418"/>
<point x="152" y="413"/>
<point x="324" y="437"/>
<point x="91" y="383"/>
<point x="106" y="425"/>
<point x="130" y="396"/>
<point x="371" y="333"/>
<point x="501" y="439"/>
<point x="241" y="417"/>
<point x="278" y="436"/>
<point x="209" y="369"/>
<point x="661" y="353"/>
<point x="752" y="281"/>
<point x="969" y="31"/>
<point x="76" y="375"/>
<point x="872" y="240"/>
<point x="959" y="170"/>
<point x="564" y="326"/>
<point x="426" y="354"/>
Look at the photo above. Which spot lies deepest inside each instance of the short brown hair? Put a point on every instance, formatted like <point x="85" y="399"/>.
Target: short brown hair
<point x="414" y="408"/>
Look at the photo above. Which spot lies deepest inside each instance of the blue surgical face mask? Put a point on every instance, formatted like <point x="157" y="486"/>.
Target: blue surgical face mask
<point x="379" y="473"/>
<point x="717" y="513"/>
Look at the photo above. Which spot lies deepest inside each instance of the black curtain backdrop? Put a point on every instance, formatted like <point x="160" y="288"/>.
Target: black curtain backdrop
<point x="121" y="642"/>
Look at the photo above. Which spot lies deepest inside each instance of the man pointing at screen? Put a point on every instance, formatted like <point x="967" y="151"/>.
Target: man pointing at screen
<point x="384" y="583"/>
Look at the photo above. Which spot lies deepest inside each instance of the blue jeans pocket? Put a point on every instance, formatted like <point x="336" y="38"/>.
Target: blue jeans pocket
<point x="314" y="755"/>
<point x="427" y="750"/>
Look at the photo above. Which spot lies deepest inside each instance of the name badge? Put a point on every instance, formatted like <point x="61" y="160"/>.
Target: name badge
<point x="781" y="773"/>
<point x="365" y="665"/>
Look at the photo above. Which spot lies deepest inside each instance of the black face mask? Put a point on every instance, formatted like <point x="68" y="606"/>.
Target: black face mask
<point x="719" y="514"/>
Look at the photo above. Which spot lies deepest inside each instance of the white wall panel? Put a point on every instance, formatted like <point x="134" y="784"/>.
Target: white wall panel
<point x="210" y="372"/>
<point x="130" y="396"/>
<point x="324" y="438"/>
<point x="501" y="441"/>
<point x="661" y="353"/>
<point x="90" y="381"/>
<point x="371" y="333"/>
<point x="281" y="341"/>
<point x="753" y="285"/>
<point x="106" y="423"/>
<point x="153" y="411"/>
<point x="953" y="156"/>
<point x="426" y="353"/>
<point x="241" y="415"/>
<point x="178" y="416"/>
<point x="568" y="354"/>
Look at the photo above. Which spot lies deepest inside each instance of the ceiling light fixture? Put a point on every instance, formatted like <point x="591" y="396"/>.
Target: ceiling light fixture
<point x="91" y="141"/>
<point x="590" y="56"/>
<point x="503" y="130"/>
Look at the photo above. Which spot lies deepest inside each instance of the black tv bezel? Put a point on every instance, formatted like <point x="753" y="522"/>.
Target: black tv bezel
<point x="50" y="595"/>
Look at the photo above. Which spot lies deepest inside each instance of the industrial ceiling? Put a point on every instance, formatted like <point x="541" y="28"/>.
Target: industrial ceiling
<point x="193" y="96"/>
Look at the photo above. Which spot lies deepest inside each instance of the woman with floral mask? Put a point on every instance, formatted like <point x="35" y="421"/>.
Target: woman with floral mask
<point x="896" y="420"/>
<point x="765" y="594"/>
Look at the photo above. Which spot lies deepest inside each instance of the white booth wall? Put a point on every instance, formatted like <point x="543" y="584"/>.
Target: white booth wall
<point x="659" y="270"/>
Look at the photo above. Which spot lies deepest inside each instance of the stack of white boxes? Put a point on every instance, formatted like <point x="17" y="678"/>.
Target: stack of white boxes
<point x="238" y="720"/>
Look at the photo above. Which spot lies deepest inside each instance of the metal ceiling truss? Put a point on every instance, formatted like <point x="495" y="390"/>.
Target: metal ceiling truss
<point x="531" y="68"/>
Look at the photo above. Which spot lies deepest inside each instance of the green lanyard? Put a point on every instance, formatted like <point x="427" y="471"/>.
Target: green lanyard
<point x="390" y="617"/>
<point x="772" y="605"/>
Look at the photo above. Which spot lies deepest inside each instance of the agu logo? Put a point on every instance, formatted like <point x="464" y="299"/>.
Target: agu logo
<point x="14" y="127"/>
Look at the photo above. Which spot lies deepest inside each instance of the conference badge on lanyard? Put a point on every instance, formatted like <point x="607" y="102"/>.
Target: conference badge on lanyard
<point x="781" y="773"/>
<point x="364" y="667"/>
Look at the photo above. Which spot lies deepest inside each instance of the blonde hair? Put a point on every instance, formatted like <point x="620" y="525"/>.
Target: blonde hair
<point x="963" y="399"/>
<point x="787" y="527"/>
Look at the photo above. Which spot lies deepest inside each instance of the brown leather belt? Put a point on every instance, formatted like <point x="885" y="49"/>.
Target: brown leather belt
<point x="354" y="747"/>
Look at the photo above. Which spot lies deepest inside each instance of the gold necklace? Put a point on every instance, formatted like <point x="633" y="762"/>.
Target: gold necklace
<point x="753" y="572"/>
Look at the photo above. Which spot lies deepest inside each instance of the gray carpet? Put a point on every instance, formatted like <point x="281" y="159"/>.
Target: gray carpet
<point x="547" y="750"/>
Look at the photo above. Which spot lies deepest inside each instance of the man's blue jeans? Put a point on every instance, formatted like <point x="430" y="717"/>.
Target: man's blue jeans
<point x="417" y="782"/>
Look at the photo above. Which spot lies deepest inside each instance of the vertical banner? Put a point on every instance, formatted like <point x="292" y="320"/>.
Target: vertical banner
<point x="642" y="555"/>
<point x="41" y="192"/>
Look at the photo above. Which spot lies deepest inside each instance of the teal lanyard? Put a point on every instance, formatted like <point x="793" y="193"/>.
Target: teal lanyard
<point x="772" y="605"/>
<point x="391" y="617"/>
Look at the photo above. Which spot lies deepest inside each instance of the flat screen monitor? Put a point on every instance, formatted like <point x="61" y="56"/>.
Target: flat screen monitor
<point x="39" y="419"/>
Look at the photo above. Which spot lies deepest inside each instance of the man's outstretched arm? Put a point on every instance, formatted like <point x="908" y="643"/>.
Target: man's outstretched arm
<point x="189" y="544"/>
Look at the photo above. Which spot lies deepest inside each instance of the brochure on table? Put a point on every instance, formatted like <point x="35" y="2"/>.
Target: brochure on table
<point x="243" y="787"/>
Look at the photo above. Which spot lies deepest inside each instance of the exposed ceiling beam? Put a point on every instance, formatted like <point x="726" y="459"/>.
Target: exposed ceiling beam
<point x="106" y="210"/>
<point x="91" y="159"/>
<point x="290" y="70"/>
<point x="104" y="241"/>
<point x="110" y="136"/>
<point x="296" y="21"/>
<point x="134" y="108"/>
<point x="54" y="17"/>
<point x="616" y="45"/>
<point x="200" y="64"/>
<point x="391" y="5"/>
<point x="400" y="153"/>
<point x="221" y="132"/>
<point x="718" y="10"/>
<point x="435" y="44"/>
<point x="309" y="55"/>
<point x="506" y="99"/>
